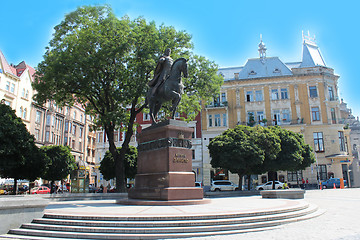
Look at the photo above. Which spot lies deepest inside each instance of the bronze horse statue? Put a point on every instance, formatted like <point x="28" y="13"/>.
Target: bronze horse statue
<point x="170" y="90"/>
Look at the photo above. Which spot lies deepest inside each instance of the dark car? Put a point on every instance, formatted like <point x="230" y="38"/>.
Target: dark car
<point x="330" y="183"/>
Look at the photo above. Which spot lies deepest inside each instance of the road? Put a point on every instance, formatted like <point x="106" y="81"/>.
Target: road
<point x="340" y="221"/>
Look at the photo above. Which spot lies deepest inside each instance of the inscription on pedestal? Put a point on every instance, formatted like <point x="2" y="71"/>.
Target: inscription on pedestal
<point x="180" y="158"/>
<point x="165" y="142"/>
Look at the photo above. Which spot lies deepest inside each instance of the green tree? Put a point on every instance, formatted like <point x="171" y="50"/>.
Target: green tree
<point x="20" y="158"/>
<point x="60" y="163"/>
<point x="105" y="63"/>
<point x="107" y="165"/>
<point x="242" y="149"/>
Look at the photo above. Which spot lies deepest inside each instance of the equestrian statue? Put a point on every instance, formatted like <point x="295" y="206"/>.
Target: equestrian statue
<point x="166" y="85"/>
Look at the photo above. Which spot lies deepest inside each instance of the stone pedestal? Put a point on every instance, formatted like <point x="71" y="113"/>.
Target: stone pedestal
<point x="165" y="164"/>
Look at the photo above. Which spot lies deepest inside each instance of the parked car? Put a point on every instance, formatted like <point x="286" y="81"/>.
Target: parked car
<point x="40" y="190"/>
<point x="223" y="185"/>
<point x="93" y="189"/>
<point x="269" y="186"/>
<point x="330" y="183"/>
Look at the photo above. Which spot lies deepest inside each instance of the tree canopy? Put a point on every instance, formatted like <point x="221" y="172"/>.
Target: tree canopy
<point x="255" y="150"/>
<point x="60" y="162"/>
<point x="107" y="165"/>
<point x="242" y="149"/>
<point x="20" y="158"/>
<point x="105" y="63"/>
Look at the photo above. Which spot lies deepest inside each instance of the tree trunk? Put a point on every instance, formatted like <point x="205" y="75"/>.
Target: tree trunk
<point x="249" y="184"/>
<point x="240" y="181"/>
<point x="119" y="163"/>
<point x="14" y="191"/>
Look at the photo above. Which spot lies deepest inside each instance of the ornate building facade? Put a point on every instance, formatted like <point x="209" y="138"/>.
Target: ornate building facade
<point x="298" y="96"/>
<point x="49" y="124"/>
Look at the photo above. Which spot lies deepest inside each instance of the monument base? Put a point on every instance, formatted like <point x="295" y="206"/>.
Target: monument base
<point x="166" y="194"/>
<point x="165" y="164"/>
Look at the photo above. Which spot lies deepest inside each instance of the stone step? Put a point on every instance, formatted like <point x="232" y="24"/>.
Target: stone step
<point x="36" y="234"/>
<point x="173" y="223"/>
<point x="300" y="206"/>
<point x="160" y="227"/>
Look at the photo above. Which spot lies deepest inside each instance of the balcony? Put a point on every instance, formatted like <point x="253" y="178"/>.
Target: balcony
<point x="217" y="105"/>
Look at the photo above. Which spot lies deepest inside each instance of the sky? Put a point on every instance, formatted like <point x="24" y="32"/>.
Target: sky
<point x="226" y="32"/>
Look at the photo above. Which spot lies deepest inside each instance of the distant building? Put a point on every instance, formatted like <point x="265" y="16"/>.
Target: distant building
<point x="354" y="125"/>
<point x="49" y="124"/>
<point x="298" y="96"/>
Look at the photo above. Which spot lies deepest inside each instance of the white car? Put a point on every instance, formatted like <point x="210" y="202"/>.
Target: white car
<point x="269" y="185"/>
<point x="223" y="185"/>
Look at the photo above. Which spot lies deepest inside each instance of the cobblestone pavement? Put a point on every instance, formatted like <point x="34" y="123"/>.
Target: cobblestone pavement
<point x="341" y="221"/>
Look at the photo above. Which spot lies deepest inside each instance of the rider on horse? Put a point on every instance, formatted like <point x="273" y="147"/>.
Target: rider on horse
<point x="162" y="71"/>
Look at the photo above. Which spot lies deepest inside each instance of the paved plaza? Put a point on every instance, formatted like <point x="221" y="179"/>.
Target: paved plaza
<point x="340" y="221"/>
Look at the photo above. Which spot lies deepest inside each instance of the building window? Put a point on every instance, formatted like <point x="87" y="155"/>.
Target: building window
<point x="210" y="120"/>
<point x="116" y="136"/>
<point x="7" y="86"/>
<point x="146" y="116"/>
<point x="73" y="144"/>
<point x="65" y="141"/>
<point x="193" y="154"/>
<point x="37" y="134"/>
<point x="23" y="93"/>
<point x="315" y="113"/>
<point x="313" y="91"/>
<point x="259" y="95"/>
<point x="47" y="136"/>
<point x="48" y="119"/>
<point x="260" y="116"/>
<point x="217" y="120"/>
<point x="284" y="93"/>
<point x="53" y="121"/>
<point x="7" y="103"/>
<point x="100" y="137"/>
<point x="38" y="117"/>
<point x="285" y="115"/>
<point x="224" y="119"/>
<point x="223" y="98"/>
<point x="24" y="113"/>
<point x="250" y="116"/>
<point x="318" y="142"/>
<point x="342" y="142"/>
<point x="276" y="117"/>
<point x="249" y="96"/>
<point x="333" y="116"/>
<point x="12" y="88"/>
<point x="21" y="112"/>
<point x="81" y="132"/>
<point x="66" y="126"/>
<point x="81" y="118"/>
<point x="74" y="129"/>
<point x="74" y="115"/>
<point x="27" y="94"/>
<point x="331" y="93"/>
<point x="274" y="94"/>
<point x="293" y="176"/>
<point x="322" y="172"/>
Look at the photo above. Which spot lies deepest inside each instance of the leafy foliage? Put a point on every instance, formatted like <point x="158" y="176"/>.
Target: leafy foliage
<point x="107" y="165"/>
<point x="105" y="63"/>
<point x="20" y="158"/>
<point x="60" y="162"/>
<point x="254" y="150"/>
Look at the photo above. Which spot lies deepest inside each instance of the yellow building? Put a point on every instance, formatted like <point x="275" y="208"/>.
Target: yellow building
<point x="299" y="96"/>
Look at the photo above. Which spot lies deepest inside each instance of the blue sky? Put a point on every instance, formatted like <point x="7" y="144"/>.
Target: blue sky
<point x="227" y="32"/>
